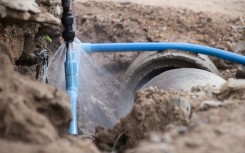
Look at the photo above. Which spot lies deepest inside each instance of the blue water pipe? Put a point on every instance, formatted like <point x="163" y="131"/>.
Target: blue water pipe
<point x="71" y="63"/>
<point x="71" y="75"/>
<point x="161" y="46"/>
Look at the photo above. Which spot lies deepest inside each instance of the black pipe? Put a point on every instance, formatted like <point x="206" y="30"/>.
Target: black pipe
<point x="67" y="21"/>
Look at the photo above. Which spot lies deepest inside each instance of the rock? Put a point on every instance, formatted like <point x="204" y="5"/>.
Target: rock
<point x="57" y="10"/>
<point x="45" y="17"/>
<point x="240" y="74"/>
<point x="154" y="137"/>
<point x="25" y="6"/>
<point x="26" y="10"/>
<point x="166" y="138"/>
<point x="233" y="89"/>
<point x="192" y="144"/>
<point x="210" y="104"/>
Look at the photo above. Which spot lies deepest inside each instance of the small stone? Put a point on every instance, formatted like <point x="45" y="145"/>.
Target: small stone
<point x="155" y="138"/>
<point x="191" y="144"/>
<point x="219" y="131"/>
<point x="205" y="105"/>
<point x="182" y="130"/>
<point x="166" y="138"/>
<point x="164" y="28"/>
<point x="57" y="10"/>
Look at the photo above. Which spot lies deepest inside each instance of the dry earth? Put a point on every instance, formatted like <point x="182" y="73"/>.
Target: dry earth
<point x="34" y="117"/>
<point x="227" y="7"/>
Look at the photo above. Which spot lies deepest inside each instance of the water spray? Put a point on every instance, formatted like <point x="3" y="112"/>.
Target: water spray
<point x="71" y="64"/>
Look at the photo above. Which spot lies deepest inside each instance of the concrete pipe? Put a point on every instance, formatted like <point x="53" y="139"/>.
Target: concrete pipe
<point x="184" y="79"/>
<point x="150" y="64"/>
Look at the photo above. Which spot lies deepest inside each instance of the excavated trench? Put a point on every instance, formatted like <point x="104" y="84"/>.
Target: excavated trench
<point x="34" y="117"/>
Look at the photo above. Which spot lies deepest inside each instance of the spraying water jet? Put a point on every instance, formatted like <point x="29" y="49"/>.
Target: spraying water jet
<point x="71" y="64"/>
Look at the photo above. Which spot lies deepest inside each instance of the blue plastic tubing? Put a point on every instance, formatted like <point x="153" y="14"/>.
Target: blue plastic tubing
<point x="71" y="75"/>
<point x="71" y="63"/>
<point x="155" y="46"/>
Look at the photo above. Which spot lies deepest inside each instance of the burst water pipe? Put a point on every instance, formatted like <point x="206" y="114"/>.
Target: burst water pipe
<point x="71" y="76"/>
<point x="71" y="64"/>
<point x="161" y="46"/>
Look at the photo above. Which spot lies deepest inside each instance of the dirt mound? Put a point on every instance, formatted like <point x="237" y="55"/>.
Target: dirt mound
<point x="217" y="125"/>
<point x="166" y="123"/>
<point x="34" y="117"/>
<point x="28" y="108"/>
<point x="153" y="111"/>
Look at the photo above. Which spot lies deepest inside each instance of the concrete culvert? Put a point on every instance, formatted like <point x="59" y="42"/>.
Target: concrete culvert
<point x="185" y="79"/>
<point x="150" y="64"/>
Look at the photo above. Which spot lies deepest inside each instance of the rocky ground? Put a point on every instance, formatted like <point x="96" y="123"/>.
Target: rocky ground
<point x="34" y="117"/>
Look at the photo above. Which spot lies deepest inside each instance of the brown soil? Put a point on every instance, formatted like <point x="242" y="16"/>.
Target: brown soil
<point x="231" y="7"/>
<point x="34" y="117"/>
<point x="153" y="111"/>
<point x="128" y="22"/>
<point x="167" y="124"/>
<point x="23" y="35"/>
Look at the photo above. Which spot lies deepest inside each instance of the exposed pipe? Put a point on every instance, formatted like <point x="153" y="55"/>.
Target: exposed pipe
<point x="71" y="75"/>
<point x="71" y="64"/>
<point x="145" y="46"/>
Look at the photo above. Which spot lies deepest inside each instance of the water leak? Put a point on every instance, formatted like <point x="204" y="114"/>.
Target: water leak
<point x="101" y="96"/>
